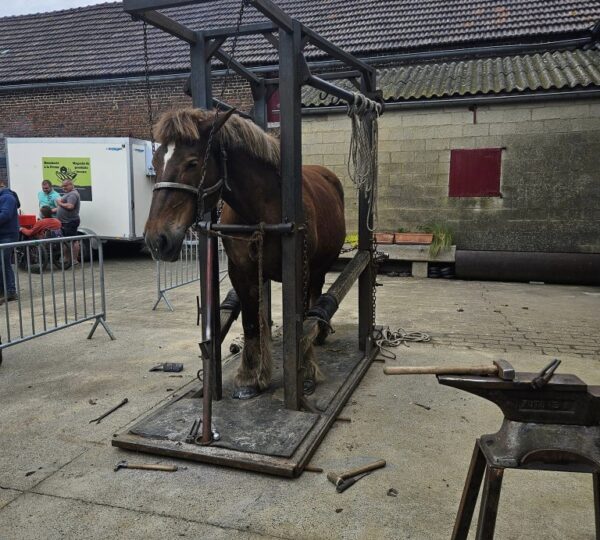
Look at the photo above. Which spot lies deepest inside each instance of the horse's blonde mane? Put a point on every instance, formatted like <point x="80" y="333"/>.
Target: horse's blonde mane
<point x="184" y="125"/>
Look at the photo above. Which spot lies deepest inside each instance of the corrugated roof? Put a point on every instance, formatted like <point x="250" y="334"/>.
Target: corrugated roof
<point x="102" y="40"/>
<point x="548" y="71"/>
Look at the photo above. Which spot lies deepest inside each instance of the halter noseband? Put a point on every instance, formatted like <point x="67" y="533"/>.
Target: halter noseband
<point x="200" y="192"/>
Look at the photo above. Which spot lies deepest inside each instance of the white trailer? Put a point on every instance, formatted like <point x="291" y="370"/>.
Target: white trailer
<point x="112" y="175"/>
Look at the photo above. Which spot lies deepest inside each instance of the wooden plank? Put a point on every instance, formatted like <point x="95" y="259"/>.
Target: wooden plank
<point x="170" y="26"/>
<point x="288" y="467"/>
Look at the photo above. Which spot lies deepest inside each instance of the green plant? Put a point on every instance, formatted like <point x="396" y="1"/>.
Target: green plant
<point x="442" y="237"/>
<point x="352" y="239"/>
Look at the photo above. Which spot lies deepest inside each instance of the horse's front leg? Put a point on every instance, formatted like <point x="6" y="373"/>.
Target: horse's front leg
<point x="254" y="374"/>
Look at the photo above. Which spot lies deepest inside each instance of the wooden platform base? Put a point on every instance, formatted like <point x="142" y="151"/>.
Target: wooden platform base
<point x="258" y="434"/>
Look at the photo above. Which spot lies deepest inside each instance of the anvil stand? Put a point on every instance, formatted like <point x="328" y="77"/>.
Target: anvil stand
<point x="553" y="428"/>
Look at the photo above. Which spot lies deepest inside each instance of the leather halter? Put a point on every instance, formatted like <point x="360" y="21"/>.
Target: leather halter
<point x="200" y="192"/>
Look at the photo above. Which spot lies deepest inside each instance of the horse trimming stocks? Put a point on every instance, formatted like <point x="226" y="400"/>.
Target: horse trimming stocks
<point x="251" y="195"/>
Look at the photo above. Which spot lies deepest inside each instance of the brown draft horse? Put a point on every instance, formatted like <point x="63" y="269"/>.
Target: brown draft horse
<point x="251" y="195"/>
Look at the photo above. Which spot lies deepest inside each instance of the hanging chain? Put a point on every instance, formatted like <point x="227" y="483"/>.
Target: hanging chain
<point x="148" y="92"/>
<point x="305" y="272"/>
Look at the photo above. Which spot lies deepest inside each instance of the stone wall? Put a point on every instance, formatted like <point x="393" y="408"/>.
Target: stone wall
<point x="550" y="179"/>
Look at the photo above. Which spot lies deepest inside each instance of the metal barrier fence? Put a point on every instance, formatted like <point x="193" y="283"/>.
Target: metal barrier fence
<point x="185" y="270"/>
<point x="41" y="291"/>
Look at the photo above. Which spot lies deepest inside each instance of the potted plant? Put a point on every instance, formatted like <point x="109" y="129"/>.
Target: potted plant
<point x="384" y="237"/>
<point x="407" y="237"/>
<point x="442" y="238"/>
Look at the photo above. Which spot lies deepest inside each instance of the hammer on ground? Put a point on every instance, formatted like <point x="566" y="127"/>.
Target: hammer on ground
<point x="147" y="466"/>
<point x="500" y="368"/>
<point x="337" y="479"/>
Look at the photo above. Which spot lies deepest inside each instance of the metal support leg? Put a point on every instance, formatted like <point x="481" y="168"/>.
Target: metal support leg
<point x="469" y="496"/>
<point x="100" y="320"/>
<point x="490" y="497"/>
<point x="596" y="481"/>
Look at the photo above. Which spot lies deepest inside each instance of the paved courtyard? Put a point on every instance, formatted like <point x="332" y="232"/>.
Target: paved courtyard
<point x="56" y="469"/>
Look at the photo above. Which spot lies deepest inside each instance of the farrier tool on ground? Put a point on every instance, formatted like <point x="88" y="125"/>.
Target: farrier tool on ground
<point x="338" y="479"/>
<point x="97" y="420"/>
<point x="345" y="484"/>
<point x="145" y="466"/>
<point x="499" y="368"/>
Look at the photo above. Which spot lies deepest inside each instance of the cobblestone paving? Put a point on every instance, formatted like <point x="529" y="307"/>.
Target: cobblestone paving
<point x="552" y="320"/>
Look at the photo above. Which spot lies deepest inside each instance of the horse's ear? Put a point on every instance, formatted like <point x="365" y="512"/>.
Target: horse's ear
<point x="222" y="118"/>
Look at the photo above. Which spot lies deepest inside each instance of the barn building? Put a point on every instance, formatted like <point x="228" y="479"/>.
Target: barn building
<point x="492" y="121"/>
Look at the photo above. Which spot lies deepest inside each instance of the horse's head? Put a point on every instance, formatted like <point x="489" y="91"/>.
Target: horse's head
<point x="179" y="164"/>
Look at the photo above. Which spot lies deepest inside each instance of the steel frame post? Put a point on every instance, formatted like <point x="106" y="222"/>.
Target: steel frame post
<point x="201" y="90"/>
<point x="366" y="281"/>
<point x="292" y="211"/>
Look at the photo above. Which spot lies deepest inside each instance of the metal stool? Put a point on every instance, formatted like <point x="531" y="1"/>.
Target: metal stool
<point x="555" y="426"/>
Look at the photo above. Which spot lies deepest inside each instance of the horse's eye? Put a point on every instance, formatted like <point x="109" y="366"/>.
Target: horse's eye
<point x="191" y="164"/>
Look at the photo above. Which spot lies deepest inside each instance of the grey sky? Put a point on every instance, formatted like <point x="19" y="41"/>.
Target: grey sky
<point x="20" y="7"/>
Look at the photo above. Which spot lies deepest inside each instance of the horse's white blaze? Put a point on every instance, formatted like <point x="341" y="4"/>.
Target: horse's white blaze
<point x="168" y="155"/>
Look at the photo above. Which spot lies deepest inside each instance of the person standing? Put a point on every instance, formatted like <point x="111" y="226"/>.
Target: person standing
<point x="9" y="232"/>
<point x="48" y="196"/>
<point x="68" y="213"/>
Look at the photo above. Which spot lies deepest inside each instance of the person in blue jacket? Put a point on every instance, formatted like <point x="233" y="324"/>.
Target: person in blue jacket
<point x="9" y="232"/>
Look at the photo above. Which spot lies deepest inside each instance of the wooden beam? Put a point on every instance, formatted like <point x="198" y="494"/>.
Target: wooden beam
<point x="236" y="66"/>
<point x="270" y="37"/>
<point x="213" y="46"/>
<point x="169" y="25"/>
<point x="244" y="30"/>
<point x="335" y="52"/>
<point x="139" y="6"/>
<point x="275" y="13"/>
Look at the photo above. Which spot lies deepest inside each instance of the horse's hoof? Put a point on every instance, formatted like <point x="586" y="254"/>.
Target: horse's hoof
<point x="324" y="331"/>
<point x="309" y="386"/>
<point x="246" y="392"/>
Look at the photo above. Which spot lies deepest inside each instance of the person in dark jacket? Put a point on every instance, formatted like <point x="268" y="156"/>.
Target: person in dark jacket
<point x="9" y="232"/>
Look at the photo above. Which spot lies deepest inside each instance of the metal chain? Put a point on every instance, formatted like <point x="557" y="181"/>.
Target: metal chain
<point x="305" y="295"/>
<point x="148" y="92"/>
<point x="374" y="270"/>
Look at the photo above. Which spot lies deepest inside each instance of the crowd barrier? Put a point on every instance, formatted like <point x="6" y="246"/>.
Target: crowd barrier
<point x="185" y="270"/>
<point x="50" y="292"/>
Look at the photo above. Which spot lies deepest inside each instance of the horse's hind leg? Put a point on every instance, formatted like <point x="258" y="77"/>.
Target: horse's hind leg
<point x="316" y="288"/>
<point x="254" y="374"/>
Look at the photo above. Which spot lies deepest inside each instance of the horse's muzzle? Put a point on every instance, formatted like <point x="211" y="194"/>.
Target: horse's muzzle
<point x="164" y="247"/>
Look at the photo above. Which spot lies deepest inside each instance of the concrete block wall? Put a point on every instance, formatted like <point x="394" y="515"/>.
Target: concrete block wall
<point x="550" y="179"/>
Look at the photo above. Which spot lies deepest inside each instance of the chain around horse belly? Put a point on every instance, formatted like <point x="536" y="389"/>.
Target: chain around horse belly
<point x="305" y="291"/>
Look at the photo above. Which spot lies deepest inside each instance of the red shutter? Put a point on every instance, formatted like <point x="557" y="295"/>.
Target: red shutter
<point x="475" y="173"/>
<point x="273" y="107"/>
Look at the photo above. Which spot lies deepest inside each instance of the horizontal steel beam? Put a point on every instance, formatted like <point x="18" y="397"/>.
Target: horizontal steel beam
<point x="430" y="103"/>
<point x="333" y="75"/>
<point x="280" y="228"/>
<point x="138" y="6"/>
<point x="169" y="25"/>
<point x="329" y="88"/>
<point x="244" y="30"/>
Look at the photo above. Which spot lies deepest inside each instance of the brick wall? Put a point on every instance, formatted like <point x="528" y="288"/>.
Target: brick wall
<point x="550" y="179"/>
<point x="116" y="110"/>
